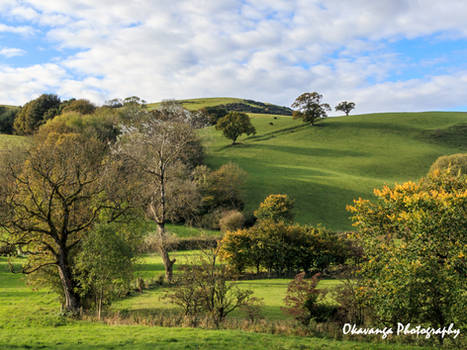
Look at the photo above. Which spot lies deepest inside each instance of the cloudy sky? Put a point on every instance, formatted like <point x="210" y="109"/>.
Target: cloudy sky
<point x="385" y="55"/>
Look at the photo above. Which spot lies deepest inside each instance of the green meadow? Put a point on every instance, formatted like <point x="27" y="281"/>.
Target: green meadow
<point x="30" y="319"/>
<point x="326" y="166"/>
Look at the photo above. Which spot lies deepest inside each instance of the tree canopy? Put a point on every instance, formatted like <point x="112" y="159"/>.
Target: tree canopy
<point x="309" y="108"/>
<point x="234" y="124"/>
<point x="345" y="107"/>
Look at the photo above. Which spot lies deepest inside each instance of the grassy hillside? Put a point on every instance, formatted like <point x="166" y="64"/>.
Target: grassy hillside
<point x="326" y="166"/>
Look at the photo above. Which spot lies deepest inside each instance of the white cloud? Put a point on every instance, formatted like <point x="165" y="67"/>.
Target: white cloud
<point x="270" y="50"/>
<point x="11" y="52"/>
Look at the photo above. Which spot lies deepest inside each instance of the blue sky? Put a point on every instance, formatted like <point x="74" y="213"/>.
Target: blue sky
<point x="386" y="55"/>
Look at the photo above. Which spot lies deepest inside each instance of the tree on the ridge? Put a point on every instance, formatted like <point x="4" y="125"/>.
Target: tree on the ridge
<point x="309" y="108"/>
<point x="345" y="107"/>
<point x="234" y="124"/>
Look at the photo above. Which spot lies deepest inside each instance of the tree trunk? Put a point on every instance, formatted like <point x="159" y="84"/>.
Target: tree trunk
<point x="163" y="249"/>
<point x="72" y="300"/>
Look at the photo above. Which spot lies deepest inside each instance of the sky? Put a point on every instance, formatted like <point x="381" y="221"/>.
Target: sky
<point x="385" y="55"/>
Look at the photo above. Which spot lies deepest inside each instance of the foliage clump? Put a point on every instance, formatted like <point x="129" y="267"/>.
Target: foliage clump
<point x="234" y="124"/>
<point x="455" y="162"/>
<point x="282" y="248"/>
<point x="36" y="112"/>
<point x="415" y="244"/>
<point x="302" y="299"/>
<point x="309" y="108"/>
<point x="276" y="207"/>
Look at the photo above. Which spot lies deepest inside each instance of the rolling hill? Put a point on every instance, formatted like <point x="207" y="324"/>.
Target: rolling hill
<point x="326" y="166"/>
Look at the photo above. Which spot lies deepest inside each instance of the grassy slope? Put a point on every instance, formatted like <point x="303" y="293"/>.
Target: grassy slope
<point x="29" y="319"/>
<point x="325" y="167"/>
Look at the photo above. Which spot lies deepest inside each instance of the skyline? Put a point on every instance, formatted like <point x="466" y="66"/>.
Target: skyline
<point x="385" y="56"/>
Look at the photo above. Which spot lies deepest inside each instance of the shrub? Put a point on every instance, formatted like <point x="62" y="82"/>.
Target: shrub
<point x="276" y="207"/>
<point x="302" y="297"/>
<point x="231" y="220"/>
<point x="204" y="288"/>
<point x="220" y="190"/>
<point x="104" y="266"/>
<point x="455" y="162"/>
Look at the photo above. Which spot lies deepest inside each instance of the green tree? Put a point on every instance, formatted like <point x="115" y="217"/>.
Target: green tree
<point x="276" y="207"/>
<point x="345" y="107"/>
<point x="51" y="196"/>
<point x="309" y="107"/>
<point x="7" y="118"/>
<point x="414" y="240"/>
<point x="233" y="124"/>
<point x="36" y="112"/>
<point x="104" y="265"/>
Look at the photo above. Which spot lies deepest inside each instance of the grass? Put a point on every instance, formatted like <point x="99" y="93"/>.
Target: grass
<point x="326" y="166"/>
<point x="30" y="320"/>
<point x="188" y="231"/>
<point x="272" y="291"/>
<point x="7" y="141"/>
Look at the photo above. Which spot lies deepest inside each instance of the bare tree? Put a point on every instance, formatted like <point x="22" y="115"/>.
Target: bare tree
<point x="160" y="147"/>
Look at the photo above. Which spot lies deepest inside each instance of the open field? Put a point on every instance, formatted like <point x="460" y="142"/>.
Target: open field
<point x="30" y="320"/>
<point x="326" y="166"/>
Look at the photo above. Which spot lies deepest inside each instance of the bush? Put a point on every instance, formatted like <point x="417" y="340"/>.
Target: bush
<point x="276" y="207"/>
<point x="231" y="220"/>
<point x="302" y="297"/>
<point x="221" y="190"/>
<point x="455" y="162"/>
<point x="204" y="288"/>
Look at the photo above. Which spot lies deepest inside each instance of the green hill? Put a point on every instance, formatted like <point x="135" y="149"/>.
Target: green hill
<point x="326" y="166"/>
<point x="231" y="104"/>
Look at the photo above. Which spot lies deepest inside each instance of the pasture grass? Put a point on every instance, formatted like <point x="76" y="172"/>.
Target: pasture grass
<point x="324" y="167"/>
<point x="30" y="320"/>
